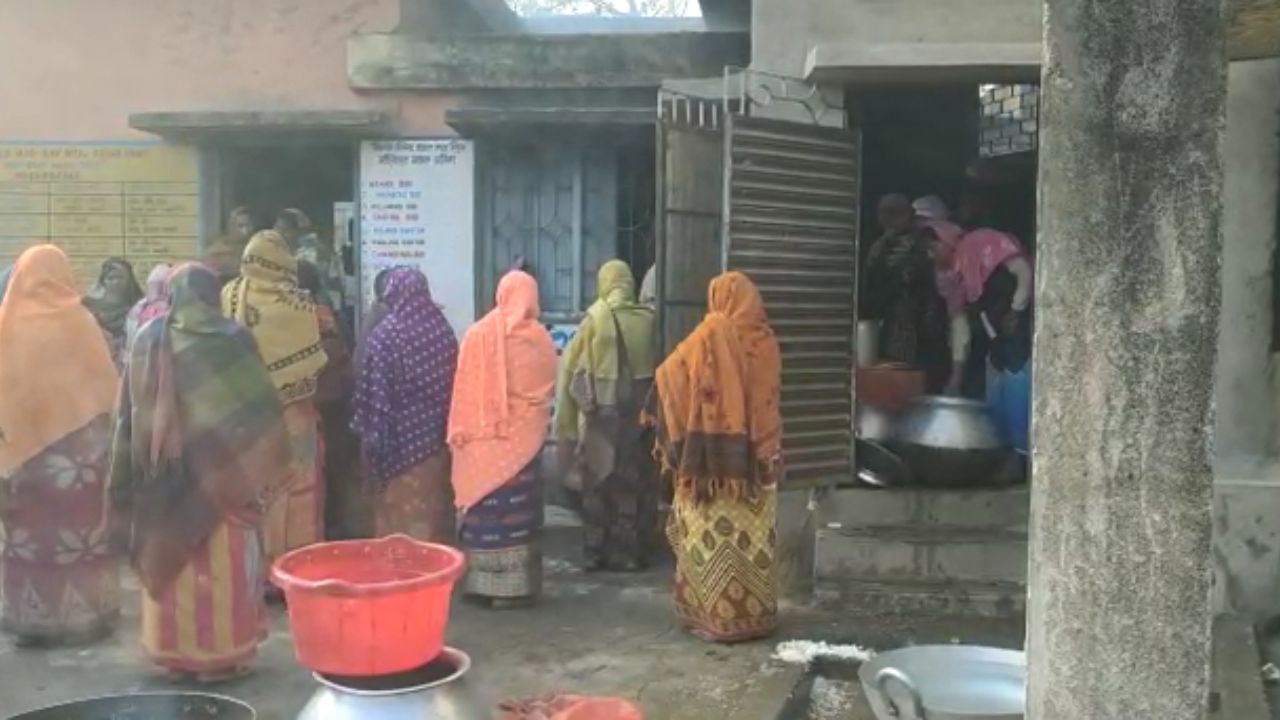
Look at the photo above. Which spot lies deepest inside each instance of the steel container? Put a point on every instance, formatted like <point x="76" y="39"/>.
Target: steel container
<point x="438" y="692"/>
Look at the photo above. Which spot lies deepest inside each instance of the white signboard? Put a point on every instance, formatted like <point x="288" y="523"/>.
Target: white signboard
<point x="417" y="209"/>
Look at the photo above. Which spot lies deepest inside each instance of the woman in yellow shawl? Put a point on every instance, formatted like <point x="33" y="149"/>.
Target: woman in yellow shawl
<point x="267" y="301"/>
<point x="58" y="582"/>
<point x="716" y="410"/>
<point x="605" y="374"/>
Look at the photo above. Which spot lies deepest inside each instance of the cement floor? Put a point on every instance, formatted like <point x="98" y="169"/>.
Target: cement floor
<point x="609" y="634"/>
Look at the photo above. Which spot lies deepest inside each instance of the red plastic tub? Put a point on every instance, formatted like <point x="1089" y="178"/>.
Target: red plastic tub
<point x="368" y="607"/>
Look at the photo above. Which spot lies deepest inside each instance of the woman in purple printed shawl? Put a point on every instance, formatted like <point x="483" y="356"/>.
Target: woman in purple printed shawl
<point x="402" y="400"/>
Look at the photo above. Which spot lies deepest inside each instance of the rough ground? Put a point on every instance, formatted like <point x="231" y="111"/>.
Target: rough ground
<point x="591" y="633"/>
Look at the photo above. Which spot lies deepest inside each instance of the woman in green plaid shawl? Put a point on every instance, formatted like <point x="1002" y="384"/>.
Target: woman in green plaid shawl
<point x="199" y="437"/>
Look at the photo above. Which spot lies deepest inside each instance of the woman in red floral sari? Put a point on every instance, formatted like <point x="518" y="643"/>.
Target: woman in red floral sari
<point x="58" y="583"/>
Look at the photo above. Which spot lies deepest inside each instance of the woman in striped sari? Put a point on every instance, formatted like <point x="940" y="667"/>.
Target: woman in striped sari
<point x="199" y="430"/>
<point x="58" y="384"/>
<point x="497" y="423"/>
<point x="716" y="410"/>
<point x="267" y="301"/>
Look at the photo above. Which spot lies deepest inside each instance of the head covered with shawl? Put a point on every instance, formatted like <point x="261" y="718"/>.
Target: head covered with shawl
<point x="716" y="407"/>
<point x="406" y="381"/>
<point x="281" y="317"/>
<point x="199" y="431"/>
<point x="506" y="375"/>
<point x="614" y="345"/>
<point x="56" y="372"/>
<point x="114" y="295"/>
<point x="978" y="255"/>
<point x="156" y="300"/>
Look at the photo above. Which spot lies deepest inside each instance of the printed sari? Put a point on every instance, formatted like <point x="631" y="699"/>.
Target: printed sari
<point x="198" y="437"/>
<point x="402" y="410"/>
<point x="267" y="301"/>
<point x="498" y="420"/>
<point x="58" y="582"/>
<point x="719" y="437"/>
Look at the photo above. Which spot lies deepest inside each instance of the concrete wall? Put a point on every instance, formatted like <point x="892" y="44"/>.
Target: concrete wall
<point x="76" y="69"/>
<point x="1247" y="503"/>
<point x="783" y="31"/>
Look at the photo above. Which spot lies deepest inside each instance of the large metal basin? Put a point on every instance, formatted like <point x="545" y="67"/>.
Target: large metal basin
<point x="946" y="682"/>
<point x="950" y="442"/>
<point x="146" y="706"/>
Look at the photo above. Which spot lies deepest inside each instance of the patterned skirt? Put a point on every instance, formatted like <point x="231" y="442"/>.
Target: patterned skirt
<point x="295" y="511"/>
<point x="726" y="584"/>
<point x="419" y="503"/>
<point x="211" y="618"/>
<point x="58" y="582"/>
<point x="502" y="538"/>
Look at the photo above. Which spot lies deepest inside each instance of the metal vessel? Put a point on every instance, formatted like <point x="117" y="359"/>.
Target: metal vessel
<point x="868" y="347"/>
<point x="436" y="692"/>
<point x="946" y="682"/>
<point x="873" y="423"/>
<point x="146" y="706"/>
<point x="950" y="441"/>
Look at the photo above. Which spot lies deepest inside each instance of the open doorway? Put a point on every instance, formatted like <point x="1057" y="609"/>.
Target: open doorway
<point x="947" y="238"/>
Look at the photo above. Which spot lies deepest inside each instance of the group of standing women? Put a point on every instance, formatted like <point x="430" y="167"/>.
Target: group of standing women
<point x="952" y="300"/>
<point x="203" y="461"/>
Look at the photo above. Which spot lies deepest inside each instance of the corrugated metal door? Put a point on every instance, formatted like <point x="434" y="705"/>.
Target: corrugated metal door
<point x="791" y="224"/>
<point x="690" y="165"/>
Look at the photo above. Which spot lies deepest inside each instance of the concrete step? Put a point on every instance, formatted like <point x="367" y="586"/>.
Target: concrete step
<point x="868" y="507"/>
<point x="919" y="598"/>
<point x="938" y="553"/>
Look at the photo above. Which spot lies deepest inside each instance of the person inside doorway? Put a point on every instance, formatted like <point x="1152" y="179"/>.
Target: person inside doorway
<point x="933" y="219"/>
<point x="225" y="253"/>
<point x="308" y="246"/>
<point x="900" y="291"/>
<point x="996" y="279"/>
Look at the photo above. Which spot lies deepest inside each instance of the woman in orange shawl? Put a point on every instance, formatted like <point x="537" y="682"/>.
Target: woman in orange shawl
<point x="58" y="385"/>
<point x="719" y="438"/>
<point x="498" y="420"/>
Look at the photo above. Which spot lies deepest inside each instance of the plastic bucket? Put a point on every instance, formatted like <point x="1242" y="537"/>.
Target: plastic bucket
<point x="368" y="607"/>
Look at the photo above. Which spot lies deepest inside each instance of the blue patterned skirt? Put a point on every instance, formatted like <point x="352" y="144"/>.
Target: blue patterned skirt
<point x="502" y="538"/>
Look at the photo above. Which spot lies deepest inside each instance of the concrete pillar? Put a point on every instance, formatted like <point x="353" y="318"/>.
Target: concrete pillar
<point x="1128" y="281"/>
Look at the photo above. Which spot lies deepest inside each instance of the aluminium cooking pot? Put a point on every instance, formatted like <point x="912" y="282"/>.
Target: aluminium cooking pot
<point x="946" y="682"/>
<point x="146" y="706"/>
<point x="950" y="442"/>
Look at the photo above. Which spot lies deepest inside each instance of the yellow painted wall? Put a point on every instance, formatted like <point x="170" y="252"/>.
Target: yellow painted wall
<point x="138" y="201"/>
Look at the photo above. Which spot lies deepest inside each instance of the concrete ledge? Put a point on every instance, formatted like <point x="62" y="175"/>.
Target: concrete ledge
<point x="1235" y="681"/>
<point x="923" y="599"/>
<point x="361" y="122"/>
<point x="391" y="61"/>
<point x="926" y="63"/>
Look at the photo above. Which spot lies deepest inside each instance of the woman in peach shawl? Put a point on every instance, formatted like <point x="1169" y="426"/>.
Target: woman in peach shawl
<point x="719" y="438"/>
<point x="498" y="420"/>
<point x="58" y="385"/>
